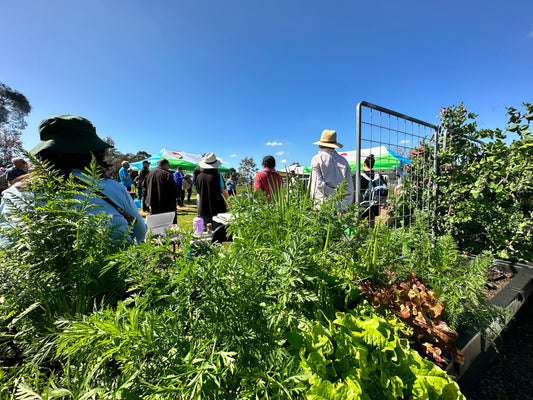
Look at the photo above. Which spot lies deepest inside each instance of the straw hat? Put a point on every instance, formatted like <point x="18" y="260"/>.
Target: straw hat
<point x="329" y="139"/>
<point x="68" y="134"/>
<point x="210" y="161"/>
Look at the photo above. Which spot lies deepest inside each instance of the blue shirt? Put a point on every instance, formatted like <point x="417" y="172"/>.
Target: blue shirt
<point x="231" y="184"/>
<point x="178" y="178"/>
<point x="122" y="173"/>
<point x="112" y="189"/>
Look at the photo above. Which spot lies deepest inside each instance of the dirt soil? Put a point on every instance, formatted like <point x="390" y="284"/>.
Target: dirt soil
<point x="510" y="376"/>
<point x="497" y="280"/>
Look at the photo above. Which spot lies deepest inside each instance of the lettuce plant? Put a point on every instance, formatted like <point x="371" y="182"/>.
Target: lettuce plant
<point x="360" y="355"/>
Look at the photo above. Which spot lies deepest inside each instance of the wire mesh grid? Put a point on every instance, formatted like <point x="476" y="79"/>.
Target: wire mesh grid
<point x="397" y="142"/>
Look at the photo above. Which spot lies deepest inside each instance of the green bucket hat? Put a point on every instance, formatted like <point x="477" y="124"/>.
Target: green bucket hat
<point x="68" y="134"/>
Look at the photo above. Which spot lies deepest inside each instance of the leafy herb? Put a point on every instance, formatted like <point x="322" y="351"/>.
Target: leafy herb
<point x="361" y="356"/>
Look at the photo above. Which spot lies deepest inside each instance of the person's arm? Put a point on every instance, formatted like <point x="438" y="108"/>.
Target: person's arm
<point x="318" y="176"/>
<point x="124" y="173"/>
<point x="143" y="183"/>
<point x="349" y="185"/>
<point x="173" y="186"/>
<point x="348" y="195"/>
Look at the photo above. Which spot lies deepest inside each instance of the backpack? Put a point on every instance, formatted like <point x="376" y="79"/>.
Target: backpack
<point x="377" y="188"/>
<point x="137" y="181"/>
<point x="185" y="184"/>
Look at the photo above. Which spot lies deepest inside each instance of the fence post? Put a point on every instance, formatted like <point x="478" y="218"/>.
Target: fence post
<point x="358" y="155"/>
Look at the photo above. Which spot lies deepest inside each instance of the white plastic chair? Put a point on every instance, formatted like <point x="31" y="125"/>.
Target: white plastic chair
<point x="158" y="224"/>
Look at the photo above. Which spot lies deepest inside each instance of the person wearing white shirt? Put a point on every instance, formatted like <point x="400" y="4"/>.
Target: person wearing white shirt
<point x="329" y="170"/>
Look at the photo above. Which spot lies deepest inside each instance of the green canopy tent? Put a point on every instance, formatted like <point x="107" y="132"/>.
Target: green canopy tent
<point x="385" y="158"/>
<point x="188" y="161"/>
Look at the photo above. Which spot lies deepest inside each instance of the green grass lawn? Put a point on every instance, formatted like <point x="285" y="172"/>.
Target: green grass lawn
<point x="186" y="214"/>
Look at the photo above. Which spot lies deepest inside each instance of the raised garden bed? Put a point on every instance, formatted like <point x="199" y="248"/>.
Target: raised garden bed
<point x="498" y="279"/>
<point x="508" y="375"/>
<point x="477" y="347"/>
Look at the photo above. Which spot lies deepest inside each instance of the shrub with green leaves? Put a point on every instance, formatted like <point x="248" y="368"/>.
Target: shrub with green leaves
<point x="485" y="184"/>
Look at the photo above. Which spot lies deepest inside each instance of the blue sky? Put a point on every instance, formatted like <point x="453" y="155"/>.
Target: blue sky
<point x="247" y="78"/>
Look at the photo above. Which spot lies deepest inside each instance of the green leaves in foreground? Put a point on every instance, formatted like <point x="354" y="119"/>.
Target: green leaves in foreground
<point x="361" y="356"/>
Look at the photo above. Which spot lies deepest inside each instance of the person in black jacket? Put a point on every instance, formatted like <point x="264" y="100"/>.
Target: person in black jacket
<point x="187" y="185"/>
<point x="209" y="189"/>
<point x="367" y="179"/>
<point x="141" y="192"/>
<point x="161" y="189"/>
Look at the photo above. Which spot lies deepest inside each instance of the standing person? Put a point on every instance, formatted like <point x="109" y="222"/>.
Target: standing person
<point x="231" y="185"/>
<point x="3" y="181"/>
<point x="68" y="144"/>
<point x="329" y="170"/>
<point x="195" y="174"/>
<point x="161" y="190"/>
<point x="293" y="180"/>
<point x="139" y="184"/>
<point x="209" y="189"/>
<point x="268" y="180"/>
<point x="400" y="174"/>
<point x="187" y="185"/>
<point x="125" y="175"/>
<point x="373" y="189"/>
<point x="16" y="170"/>
<point x="178" y="178"/>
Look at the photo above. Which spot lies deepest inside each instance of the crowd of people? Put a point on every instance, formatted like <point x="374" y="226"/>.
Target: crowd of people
<point x="69" y="142"/>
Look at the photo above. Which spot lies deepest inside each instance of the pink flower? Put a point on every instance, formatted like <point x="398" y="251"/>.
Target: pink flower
<point x="443" y="110"/>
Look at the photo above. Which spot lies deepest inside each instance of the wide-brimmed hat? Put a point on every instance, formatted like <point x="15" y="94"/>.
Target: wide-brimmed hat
<point x="210" y="161"/>
<point x="329" y="139"/>
<point x="68" y="134"/>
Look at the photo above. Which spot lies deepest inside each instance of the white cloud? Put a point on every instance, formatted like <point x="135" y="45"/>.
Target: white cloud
<point x="283" y="161"/>
<point x="274" y="144"/>
<point x="530" y="34"/>
<point x="280" y="153"/>
<point x="233" y="155"/>
<point x="404" y="141"/>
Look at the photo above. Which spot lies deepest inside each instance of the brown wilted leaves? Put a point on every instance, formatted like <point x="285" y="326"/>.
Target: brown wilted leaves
<point x="418" y="308"/>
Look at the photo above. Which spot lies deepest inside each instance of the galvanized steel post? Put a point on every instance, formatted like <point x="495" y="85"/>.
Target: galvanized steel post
<point x="358" y="155"/>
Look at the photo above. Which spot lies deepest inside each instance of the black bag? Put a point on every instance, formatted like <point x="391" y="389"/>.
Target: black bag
<point x="377" y="188"/>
